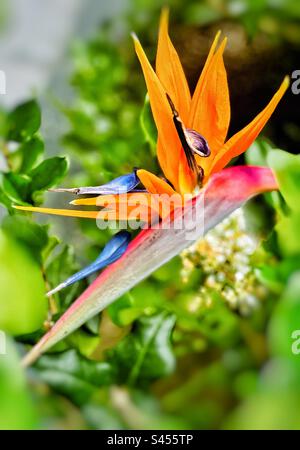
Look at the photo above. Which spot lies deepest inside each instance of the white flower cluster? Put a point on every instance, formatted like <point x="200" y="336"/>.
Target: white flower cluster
<point x="224" y="257"/>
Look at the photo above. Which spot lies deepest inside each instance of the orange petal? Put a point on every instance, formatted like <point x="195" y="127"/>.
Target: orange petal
<point x="131" y="214"/>
<point x="162" y="156"/>
<point x="60" y="212"/>
<point x="100" y="200"/>
<point x="211" y="115"/>
<point x="113" y="199"/>
<point x="170" y="143"/>
<point x="186" y="178"/>
<point x="154" y="184"/>
<point x="201" y="81"/>
<point x="169" y="70"/>
<point x="242" y="140"/>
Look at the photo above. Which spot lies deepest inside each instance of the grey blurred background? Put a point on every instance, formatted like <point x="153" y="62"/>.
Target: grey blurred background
<point x="35" y="37"/>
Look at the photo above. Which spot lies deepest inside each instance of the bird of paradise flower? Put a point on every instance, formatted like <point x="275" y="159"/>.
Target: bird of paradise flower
<point x="192" y="150"/>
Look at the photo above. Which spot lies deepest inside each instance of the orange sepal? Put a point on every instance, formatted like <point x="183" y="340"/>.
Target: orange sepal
<point x="104" y="200"/>
<point x="242" y="140"/>
<point x="212" y="116"/>
<point x="201" y="81"/>
<point x="59" y="212"/>
<point x="154" y="184"/>
<point x="170" y="144"/>
<point x="169" y="69"/>
<point x="187" y="179"/>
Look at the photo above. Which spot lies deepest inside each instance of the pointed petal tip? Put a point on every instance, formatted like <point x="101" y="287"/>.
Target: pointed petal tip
<point x="134" y="37"/>
<point x="164" y="16"/>
<point x="54" y="290"/>
<point x="69" y="190"/>
<point x="286" y="81"/>
<point x="21" y="208"/>
<point x="241" y="141"/>
<point x="216" y="40"/>
<point x="60" y="212"/>
<point x="85" y="201"/>
<point x="223" y="44"/>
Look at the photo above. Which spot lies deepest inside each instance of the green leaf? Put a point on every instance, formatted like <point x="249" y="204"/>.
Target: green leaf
<point x="48" y="173"/>
<point x="146" y="354"/>
<point x="101" y="417"/>
<point x="84" y="342"/>
<point x="52" y="242"/>
<point x="24" y="121"/>
<point x="267" y="410"/>
<point x="5" y="201"/>
<point x="257" y="153"/>
<point x="144" y="298"/>
<point x="275" y="277"/>
<point x="287" y="169"/>
<point x="59" y="269"/>
<point x="34" y="236"/>
<point x="23" y="304"/>
<point x="287" y="230"/>
<point x="73" y="375"/>
<point x="285" y="321"/>
<point x="30" y="152"/>
<point x="16" y="408"/>
<point x="148" y="125"/>
<point x="16" y="187"/>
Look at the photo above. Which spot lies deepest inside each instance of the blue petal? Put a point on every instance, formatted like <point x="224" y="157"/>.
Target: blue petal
<point x="113" y="250"/>
<point x="120" y="185"/>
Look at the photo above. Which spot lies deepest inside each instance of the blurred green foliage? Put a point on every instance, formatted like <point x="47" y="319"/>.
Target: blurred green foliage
<point x="165" y="355"/>
<point x="30" y="305"/>
<point x="16" y="408"/>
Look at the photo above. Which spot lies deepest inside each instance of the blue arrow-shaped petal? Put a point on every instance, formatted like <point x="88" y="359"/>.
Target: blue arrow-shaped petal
<point x="120" y="185"/>
<point x="113" y="250"/>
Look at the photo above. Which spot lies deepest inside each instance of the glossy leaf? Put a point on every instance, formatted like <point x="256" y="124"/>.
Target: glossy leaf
<point x="146" y="353"/>
<point x="31" y="234"/>
<point x="16" y="407"/>
<point x="23" y="305"/>
<point x="61" y="267"/>
<point x="287" y="169"/>
<point x="48" y="173"/>
<point x="73" y="375"/>
<point x="30" y="152"/>
<point x="16" y="187"/>
<point x="24" y="121"/>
